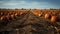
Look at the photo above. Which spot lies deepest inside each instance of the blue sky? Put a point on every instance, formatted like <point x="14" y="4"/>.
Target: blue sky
<point x="38" y="4"/>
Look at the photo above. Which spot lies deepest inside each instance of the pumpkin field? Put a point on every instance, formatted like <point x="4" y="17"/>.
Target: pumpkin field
<point x="29" y="21"/>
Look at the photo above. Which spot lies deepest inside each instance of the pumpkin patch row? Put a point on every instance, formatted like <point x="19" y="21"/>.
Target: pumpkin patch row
<point x="11" y="14"/>
<point x="52" y="18"/>
<point x="52" y="15"/>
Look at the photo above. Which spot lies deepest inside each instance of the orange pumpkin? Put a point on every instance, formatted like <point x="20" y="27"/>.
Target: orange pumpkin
<point x="40" y="14"/>
<point x="2" y="18"/>
<point x="12" y="16"/>
<point x="47" y="16"/>
<point x="54" y="19"/>
<point x="16" y="14"/>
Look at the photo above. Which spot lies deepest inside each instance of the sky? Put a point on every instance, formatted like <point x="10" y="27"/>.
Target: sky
<point x="27" y="4"/>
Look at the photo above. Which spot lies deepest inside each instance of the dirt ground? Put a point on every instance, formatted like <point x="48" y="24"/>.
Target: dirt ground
<point x="29" y="23"/>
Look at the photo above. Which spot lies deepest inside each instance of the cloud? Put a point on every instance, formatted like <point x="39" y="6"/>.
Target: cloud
<point x="26" y="4"/>
<point x="21" y="2"/>
<point x="1" y="2"/>
<point x="13" y="3"/>
<point x="33" y="5"/>
<point x="10" y="4"/>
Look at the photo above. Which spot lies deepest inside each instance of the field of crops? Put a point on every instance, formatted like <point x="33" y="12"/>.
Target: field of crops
<point x="29" y="21"/>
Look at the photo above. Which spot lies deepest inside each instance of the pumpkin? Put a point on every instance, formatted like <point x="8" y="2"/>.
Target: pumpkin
<point x="12" y="16"/>
<point x="47" y="16"/>
<point x="2" y="18"/>
<point x="54" y="19"/>
<point x="39" y="14"/>
<point x="16" y="14"/>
